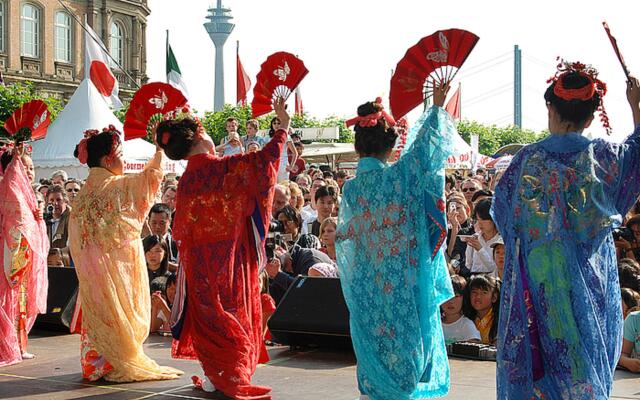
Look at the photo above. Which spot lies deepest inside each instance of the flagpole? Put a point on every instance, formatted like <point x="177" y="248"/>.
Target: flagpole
<point x="73" y="15"/>
<point x="166" y="57"/>
<point x="242" y="101"/>
<point x="460" y="99"/>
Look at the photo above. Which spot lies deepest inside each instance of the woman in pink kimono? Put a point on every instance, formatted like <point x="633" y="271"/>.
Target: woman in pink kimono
<point x="23" y="256"/>
<point x="104" y="236"/>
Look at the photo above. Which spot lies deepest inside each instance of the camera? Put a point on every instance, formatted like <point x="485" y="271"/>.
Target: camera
<point x="275" y="238"/>
<point x="276" y="226"/>
<point x="48" y="213"/>
<point x="623" y="233"/>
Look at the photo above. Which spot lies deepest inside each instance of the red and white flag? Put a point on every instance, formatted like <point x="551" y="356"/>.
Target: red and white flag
<point x="453" y="106"/>
<point x="298" y="98"/>
<point x="96" y="67"/>
<point x="243" y="83"/>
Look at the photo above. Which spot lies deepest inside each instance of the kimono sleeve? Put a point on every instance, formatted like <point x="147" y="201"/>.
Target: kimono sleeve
<point x="625" y="178"/>
<point x="428" y="146"/>
<point x="420" y="173"/>
<point x="262" y="175"/>
<point x="501" y="207"/>
<point x="142" y="188"/>
<point x="266" y="161"/>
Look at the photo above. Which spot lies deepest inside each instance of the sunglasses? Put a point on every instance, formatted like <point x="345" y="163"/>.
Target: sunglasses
<point x="469" y="189"/>
<point x="73" y="190"/>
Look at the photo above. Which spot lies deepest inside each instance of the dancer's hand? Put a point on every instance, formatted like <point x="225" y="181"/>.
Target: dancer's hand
<point x="281" y="113"/>
<point x="633" y="96"/>
<point x="440" y="93"/>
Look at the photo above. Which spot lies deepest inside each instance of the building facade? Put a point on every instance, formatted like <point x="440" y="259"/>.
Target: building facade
<point x="41" y="42"/>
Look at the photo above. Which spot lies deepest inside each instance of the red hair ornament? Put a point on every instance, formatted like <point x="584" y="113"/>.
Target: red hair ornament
<point x="584" y="93"/>
<point x="371" y="120"/>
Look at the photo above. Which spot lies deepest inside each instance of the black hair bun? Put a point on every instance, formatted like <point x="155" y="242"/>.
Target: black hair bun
<point x="369" y="108"/>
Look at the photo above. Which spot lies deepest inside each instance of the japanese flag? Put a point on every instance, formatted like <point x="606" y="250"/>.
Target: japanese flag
<point x="96" y="67"/>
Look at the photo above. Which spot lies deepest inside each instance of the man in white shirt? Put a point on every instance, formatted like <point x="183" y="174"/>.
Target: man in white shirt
<point x="309" y="212"/>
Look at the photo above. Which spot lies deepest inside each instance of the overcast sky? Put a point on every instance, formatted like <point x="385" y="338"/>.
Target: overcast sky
<point x="350" y="48"/>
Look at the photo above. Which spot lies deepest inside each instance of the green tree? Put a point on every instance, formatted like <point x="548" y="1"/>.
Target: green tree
<point x="214" y="122"/>
<point x="120" y="114"/>
<point x="493" y="137"/>
<point x="15" y="95"/>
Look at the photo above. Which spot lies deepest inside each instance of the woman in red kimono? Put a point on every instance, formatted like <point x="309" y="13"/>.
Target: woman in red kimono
<point x="222" y="216"/>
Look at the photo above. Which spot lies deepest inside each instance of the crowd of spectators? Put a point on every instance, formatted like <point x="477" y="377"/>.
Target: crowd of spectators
<point x="306" y="206"/>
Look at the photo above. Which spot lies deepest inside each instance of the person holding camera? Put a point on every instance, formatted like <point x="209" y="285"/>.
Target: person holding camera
<point x="57" y="219"/>
<point x="627" y="240"/>
<point x="290" y="224"/>
<point x="221" y="224"/>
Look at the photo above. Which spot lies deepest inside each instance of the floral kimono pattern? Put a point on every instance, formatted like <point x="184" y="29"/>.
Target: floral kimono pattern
<point x="104" y="235"/>
<point x="392" y="268"/>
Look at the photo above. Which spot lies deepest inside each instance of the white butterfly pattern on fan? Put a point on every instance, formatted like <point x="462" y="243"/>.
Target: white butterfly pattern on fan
<point x="159" y="101"/>
<point x="441" y="55"/>
<point x="38" y="120"/>
<point x="282" y="72"/>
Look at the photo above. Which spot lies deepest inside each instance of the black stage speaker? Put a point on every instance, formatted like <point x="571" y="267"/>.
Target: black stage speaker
<point x="63" y="283"/>
<point x="312" y="312"/>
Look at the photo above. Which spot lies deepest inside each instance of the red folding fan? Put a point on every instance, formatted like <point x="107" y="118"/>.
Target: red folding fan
<point x="278" y="77"/>
<point x="432" y="61"/>
<point x="29" y="122"/>
<point x="148" y="108"/>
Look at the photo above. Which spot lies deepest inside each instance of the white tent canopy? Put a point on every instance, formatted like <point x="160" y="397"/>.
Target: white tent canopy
<point x="87" y="110"/>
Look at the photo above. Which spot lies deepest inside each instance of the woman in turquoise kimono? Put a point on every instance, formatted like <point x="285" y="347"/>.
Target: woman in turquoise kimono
<point x="393" y="273"/>
<point x="560" y="325"/>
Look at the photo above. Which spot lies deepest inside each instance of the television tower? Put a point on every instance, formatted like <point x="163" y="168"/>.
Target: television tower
<point x="219" y="28"/>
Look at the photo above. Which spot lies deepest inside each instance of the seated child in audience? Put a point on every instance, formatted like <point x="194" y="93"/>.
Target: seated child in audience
<point x="498" y="257"/>
<point x="328" y="237"/>
<point x="630" y="301"/>
<point x="163" y="292"/>
<point x="630" y="357"/>
<point x="456" y="326"/>
<point x="328" y="240"/>
<point x="482" y="306"/>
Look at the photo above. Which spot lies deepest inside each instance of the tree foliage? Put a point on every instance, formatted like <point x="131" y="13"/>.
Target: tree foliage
<point x="493" y="137"/>
<point x="16" y="94"/>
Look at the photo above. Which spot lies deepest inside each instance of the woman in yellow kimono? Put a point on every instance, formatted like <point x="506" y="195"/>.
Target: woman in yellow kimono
<point x="104" y="235"/>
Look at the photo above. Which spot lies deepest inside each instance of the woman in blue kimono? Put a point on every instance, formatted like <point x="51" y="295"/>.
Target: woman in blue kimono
<point x="560" y="325"/>
<point x="393" y="273"/>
